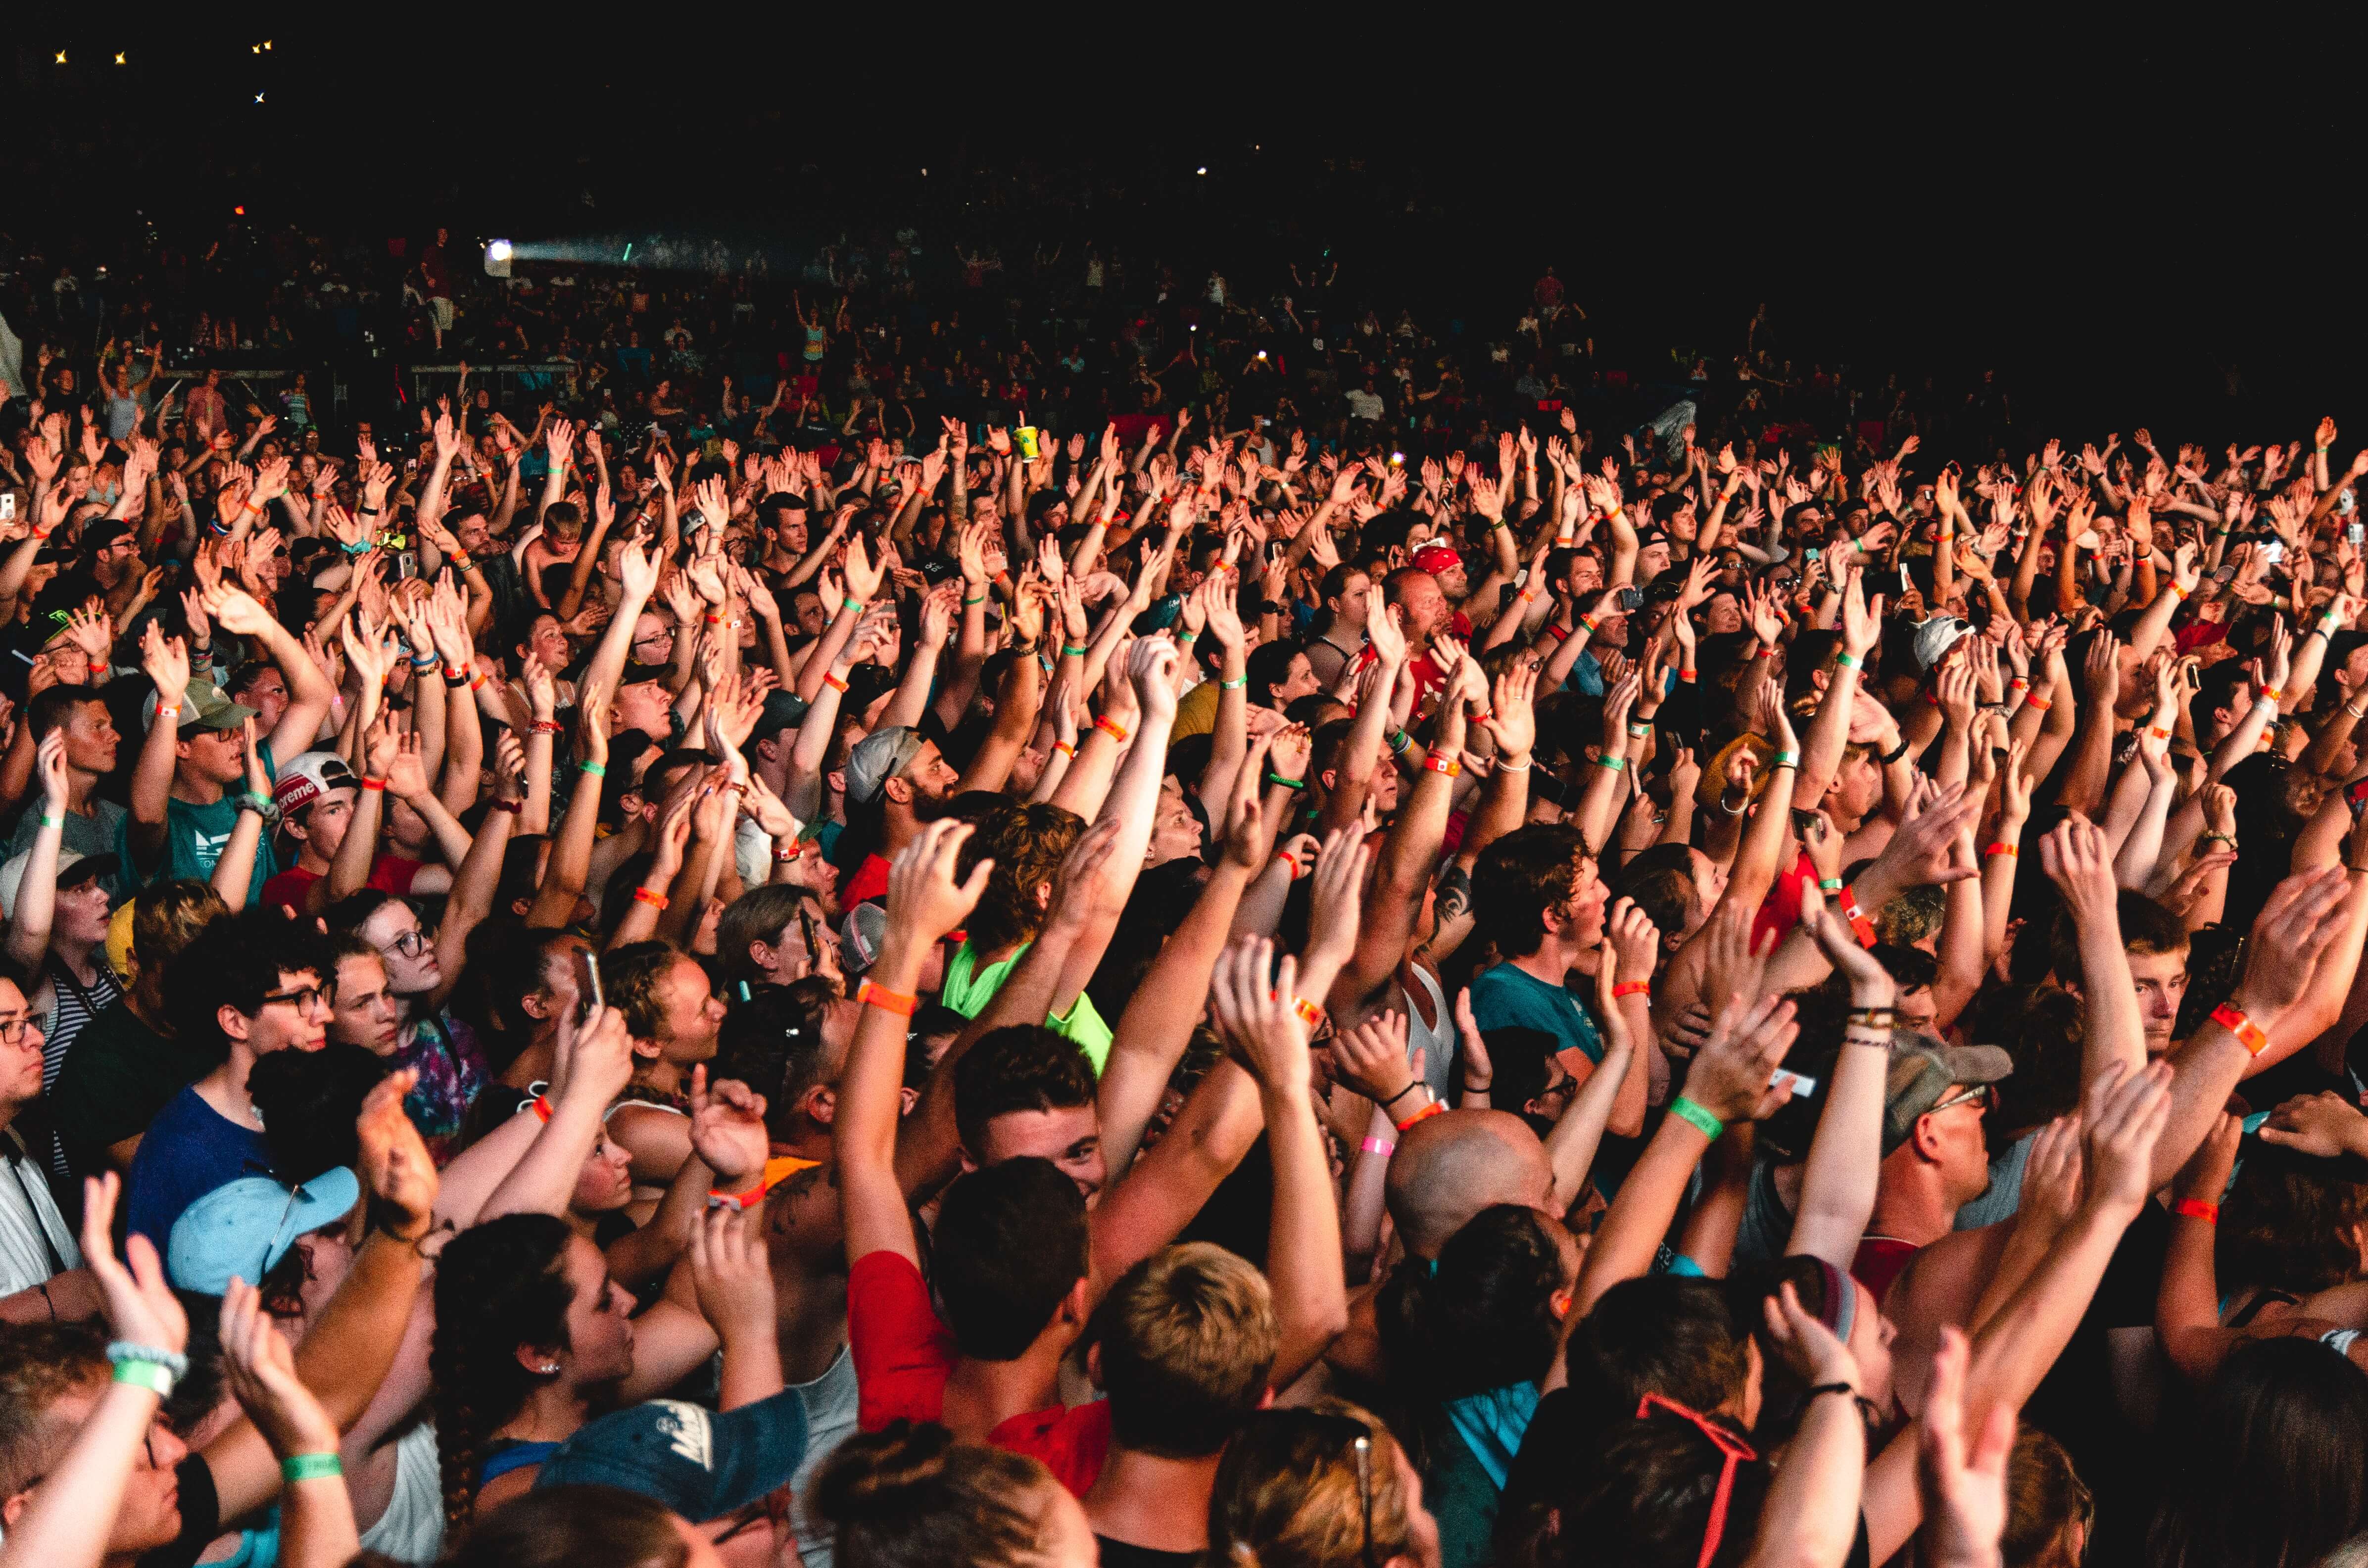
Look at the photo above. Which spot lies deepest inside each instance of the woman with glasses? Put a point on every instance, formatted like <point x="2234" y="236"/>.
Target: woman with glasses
<point x="442" y="1048"/>
<point x="1322" y="1486"/>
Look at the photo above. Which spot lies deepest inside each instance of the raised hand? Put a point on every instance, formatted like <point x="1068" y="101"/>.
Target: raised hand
<point x="924" y="900"/>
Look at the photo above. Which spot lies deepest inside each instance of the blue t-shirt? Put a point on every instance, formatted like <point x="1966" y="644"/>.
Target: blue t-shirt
<point x="190" y="1149"/>
<point x="194" y="837"/>
<point x="1507" y="997"/>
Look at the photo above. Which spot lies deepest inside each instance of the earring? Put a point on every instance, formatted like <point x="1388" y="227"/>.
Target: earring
<point x="549" y="1369"/>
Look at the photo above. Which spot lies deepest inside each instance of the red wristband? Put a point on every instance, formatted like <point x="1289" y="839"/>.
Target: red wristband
<point x="1424" y="1114"/>
<point x="1439" y="764"/>
<point x="373" y="783"/>
<point x="1631" y="988"/>
<point x="2248" y="1034"/>
<point x="650" y="896"/>
<point x="2002" y="849"/>
<point x="718" y="1198"/>
<point x="1858" y="924"/>
<point x="542" y="1106"/>
<point x="2196" y="1209"/>
<point x="2037" y="704"/>
<point x="1114" y="729"/>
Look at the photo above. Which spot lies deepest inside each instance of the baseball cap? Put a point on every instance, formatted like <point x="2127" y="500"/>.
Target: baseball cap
<point x="307" y="778"/>
<point x="701" y="1463"/>
<point x="73" y="869"/>
<point x="99" y="535"/>
<point x="245" y="1227"/>
<point x="1935" y="637"/>
<point x="1437" y="558"/>
<point x="203" y="707"/>
<point x="1923" y="1070"/>
<point x="861" y="934"/>
<point x="782" y="711"/>
<point x="878" y="757"/>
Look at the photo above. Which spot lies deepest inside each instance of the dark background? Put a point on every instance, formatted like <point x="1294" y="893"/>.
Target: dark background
<point x="2128" y="225"/>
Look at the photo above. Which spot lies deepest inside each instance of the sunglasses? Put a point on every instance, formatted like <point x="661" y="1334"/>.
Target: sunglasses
<point x="1356" y="1439"/>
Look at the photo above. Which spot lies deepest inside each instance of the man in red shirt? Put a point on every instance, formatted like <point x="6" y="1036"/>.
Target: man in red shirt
<point x="1934" y="1162"/>
<point x="1018" y="1263"/>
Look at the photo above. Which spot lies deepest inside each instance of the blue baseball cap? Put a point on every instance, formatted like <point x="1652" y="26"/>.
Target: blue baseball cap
<point x="701" y="1463"/>
<point x="245" y="1227"/>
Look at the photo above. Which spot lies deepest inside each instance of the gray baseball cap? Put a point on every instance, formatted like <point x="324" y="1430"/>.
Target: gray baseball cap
<point x="878" y="757"/>
<point x="1923" y="1072"/>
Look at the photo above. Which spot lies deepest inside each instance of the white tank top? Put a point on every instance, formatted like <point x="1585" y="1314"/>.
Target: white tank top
<point x="412" y="1528"/>
<point x="1436" y="1041"/>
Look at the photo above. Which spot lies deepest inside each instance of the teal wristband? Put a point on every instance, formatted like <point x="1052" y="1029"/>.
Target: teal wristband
<point x="150" y="1375"/>
<point x="311" y="1467"/>
<point x="853" y="603"/>
<point x="1616" y="764"/>
<point x="1693" y="1116"/>
<point x="49" y="821"/>
<point x="1784" y="759"/>
<point x="1185" y="636"/>
<point x="1073" y="650"/>
<point x="1829" y="884"/>
<point x="1848" y="662"/>
<point x="596" y="769"/>
<point x="1234" y="684"/>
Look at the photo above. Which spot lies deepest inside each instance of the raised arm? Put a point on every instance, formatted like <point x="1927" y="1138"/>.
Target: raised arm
<point x="1838" y="1186"/>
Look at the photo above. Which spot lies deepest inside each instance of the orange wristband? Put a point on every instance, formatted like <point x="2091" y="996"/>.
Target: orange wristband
<point x="833" y="682"/>
<point x="1309" y="1013"/>
<point x="2002" y="849"/>
<point x="1424" y="1114"/>
<point x="1114" y="729"/>
<point x="2038" y="704"/>
<point x="2247" y="1033"/>
<point x="1446" y="765"/>
<point x="373" y="783"/>
<point x="2196" y="1209"/>
<point x="542" y="1106"/>
<point x="902" y="1004"/>
<point x="653" y="899"/>
<point x="1858" y="923"/>
<point x="1631" y="988"/>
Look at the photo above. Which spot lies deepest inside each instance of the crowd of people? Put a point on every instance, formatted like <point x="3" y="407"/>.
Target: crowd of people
<point x="1257" y="939"/>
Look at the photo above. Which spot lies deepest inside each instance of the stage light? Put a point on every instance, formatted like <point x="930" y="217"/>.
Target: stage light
<point x="62" y="57"/>
<point x="258" y="97"/>
<point x="238" y="211"/>
<point x="498" y="259"/>
<point x="118" y="57"/>
<point x="1201" y="170"/>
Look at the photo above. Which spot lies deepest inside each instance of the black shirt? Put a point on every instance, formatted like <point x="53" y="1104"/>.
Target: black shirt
<point x="1125" y="1554"/>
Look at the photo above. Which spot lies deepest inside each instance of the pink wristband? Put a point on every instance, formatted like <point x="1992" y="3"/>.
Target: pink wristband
<point x="1381" y="1146"/>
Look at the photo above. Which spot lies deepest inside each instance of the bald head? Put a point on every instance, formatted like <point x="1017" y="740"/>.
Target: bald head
<point x="1449" y="1167"/>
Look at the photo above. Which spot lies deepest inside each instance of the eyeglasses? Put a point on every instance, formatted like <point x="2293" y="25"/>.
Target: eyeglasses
<point x="1985" y="1094"/>
<point x="305" y="997"/>
<point x="410" y="943"/>
<point x="12" y="1030"/>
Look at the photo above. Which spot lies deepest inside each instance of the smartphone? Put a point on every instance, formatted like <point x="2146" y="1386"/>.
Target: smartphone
<point x="2352" y="530"/>
<point x="1814" y="553"/>
<point x="587" y="984"/>
<point x="2274" y="552"/>
<point x="2346" y="502"/>
<point x="8" y="506"/>
<point x="1629" y="598"/>
<point x="1905" y="586"/>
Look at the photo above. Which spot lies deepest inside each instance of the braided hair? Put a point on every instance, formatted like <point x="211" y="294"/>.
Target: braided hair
<point x="498" y="1286"/>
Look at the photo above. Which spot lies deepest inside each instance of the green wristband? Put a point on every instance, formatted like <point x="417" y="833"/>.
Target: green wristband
<point x="49" y="821"/>
<point x="596" y="769"/>
<point x="1616" y="764"/>
<point x="1185" y="636"/>
<point x="1234" y="684"/>
<point x="1073" y="650"/>
<point x="311" y="1467"/>
<point x="1693" y="1116"/>
<point x="1848" y="662"/>
<point x="852" y="603"/>
<point x="980" y="600"/>
<point x="148" y="1375"/>
<point x="1286" y="783"/>
<point x="1829" y="884"/>
<point x="1784" y="759"/>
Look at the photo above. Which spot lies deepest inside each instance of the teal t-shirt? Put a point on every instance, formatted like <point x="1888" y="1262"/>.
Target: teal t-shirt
<point x="1507" y="997"/>
<point x="194" y="837"/>
<point x="968" y="989"/>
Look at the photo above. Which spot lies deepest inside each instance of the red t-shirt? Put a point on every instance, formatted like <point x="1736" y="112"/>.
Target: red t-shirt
<point x="1878" y="1263"/>
<point x="904" y="1355"/>
<point x="1782" y="911"/>
<point x="388" y="873"/>
<point x="868" y="880"/>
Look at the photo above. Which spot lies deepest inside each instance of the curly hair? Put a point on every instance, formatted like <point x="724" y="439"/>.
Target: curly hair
<point x="1519" y="876"/>
<point x="909" y="1495"/>
<point x="633" y="977"/>
<point x="498" y="1286"/>
<point x="2291" y="1222"/>
<point x="1028" y="842"/>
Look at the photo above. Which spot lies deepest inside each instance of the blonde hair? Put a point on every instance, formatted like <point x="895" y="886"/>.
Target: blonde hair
<point x="1289" y="1495"/>
<point x="1188" y="1341"/>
